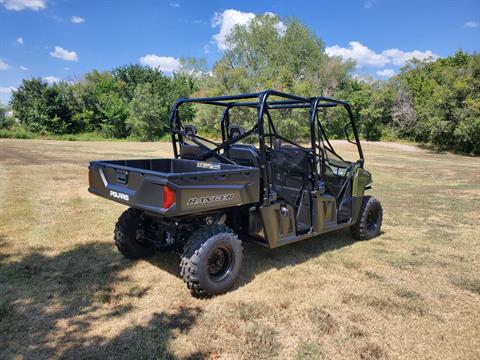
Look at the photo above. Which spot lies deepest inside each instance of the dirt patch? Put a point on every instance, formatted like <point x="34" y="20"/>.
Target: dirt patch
<point x="13" y="155"/>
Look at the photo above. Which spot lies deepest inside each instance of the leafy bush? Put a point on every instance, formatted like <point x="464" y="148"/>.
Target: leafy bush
<point x="45" y="109"/>
<point x="5" y="122"/>
<point x="439" y="102"/>
<point x="148" y="116"/>
<point x="102" y="102"/>
<point x="16" y="132"/>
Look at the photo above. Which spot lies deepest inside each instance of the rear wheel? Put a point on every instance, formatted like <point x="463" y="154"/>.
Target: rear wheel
<point x="369" y="219"/>
<point x="130" y="237"/>
<point x="211" y="260"/>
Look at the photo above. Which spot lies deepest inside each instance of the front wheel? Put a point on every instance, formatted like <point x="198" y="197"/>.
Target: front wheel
<point x="211" y="260"/>
<point x="369" y="219"/>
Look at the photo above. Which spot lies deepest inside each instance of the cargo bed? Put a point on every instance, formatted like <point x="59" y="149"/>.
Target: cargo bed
<point x="174" y="187"/>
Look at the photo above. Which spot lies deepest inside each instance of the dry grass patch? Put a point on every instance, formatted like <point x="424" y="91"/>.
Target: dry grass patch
<point x="412" y="293"/>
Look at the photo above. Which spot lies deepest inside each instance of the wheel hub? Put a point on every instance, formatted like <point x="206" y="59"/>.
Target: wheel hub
<point x="219" y="263"/>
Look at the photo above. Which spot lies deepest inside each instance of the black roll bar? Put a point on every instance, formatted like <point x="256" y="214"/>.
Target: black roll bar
<point x="289" y="101"/>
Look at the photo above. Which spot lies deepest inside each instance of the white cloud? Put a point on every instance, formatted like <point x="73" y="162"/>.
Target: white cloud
<point x="167" y="64"/>
<point x="7" y="90"/>
<point x="51" y="79"/>
<point x="63" y="54"/>
<point x="471" y="24"/>
<point x="365" y="56"/>
<point x="400" y="58"/>
<point x="20" y="40"/>
<point x="174" y="4"/>
<point x="66" y="68"/>
<point x="388" y="73"/>
<point x="77" y="19"/>
<point x="18" y="5"/>
<point x="358" y="52"/>
<point x="227" y="20"/>
<point x="24" y="68"/>
<point x="367" y="78"/>
<point x="3" y="65"/>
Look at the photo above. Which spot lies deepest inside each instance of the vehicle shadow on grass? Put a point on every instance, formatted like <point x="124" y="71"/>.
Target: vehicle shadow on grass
<point x="168" y="261"/>
<point x="50" y="304"/>
<point x="258" y="259"/>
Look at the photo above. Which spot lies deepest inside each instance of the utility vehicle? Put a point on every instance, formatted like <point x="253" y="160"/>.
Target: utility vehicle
<point x="272" y="191"/>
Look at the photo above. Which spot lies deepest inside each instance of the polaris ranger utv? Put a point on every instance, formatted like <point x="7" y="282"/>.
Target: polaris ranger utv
<point x="210" y="195"/>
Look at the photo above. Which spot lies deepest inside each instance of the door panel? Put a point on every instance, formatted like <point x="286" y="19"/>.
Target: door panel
<point x="290" y="170"/>
<point x="338" y="181"/>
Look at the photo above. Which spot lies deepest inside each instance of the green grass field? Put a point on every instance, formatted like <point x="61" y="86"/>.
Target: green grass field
<point x="412" y="293"/>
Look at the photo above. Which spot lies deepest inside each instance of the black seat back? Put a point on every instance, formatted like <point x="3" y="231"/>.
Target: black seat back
<point x="190" y="151"/>
<point x="193" y="151"/>
<point x="244" y="154"/>
<point x="190" y="129"/>
<point x="235" y="130"/>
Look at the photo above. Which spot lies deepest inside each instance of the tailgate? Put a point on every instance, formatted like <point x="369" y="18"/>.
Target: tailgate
<point x="127" y="186"/>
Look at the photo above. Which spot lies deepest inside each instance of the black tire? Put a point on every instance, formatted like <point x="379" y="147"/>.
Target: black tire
<point x="369" y="219"/>
<point x="211" y="260"/>
<point x="128" y="237"/>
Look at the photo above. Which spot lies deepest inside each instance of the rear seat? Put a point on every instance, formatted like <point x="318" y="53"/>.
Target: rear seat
<point x="192" y="151"/>
<point x="188" y="151"/>
<point x="244" y="154"/>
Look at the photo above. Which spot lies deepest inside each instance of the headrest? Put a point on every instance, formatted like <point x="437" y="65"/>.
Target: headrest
<point x="235" y="130"/>
<point x="190" y="130"/>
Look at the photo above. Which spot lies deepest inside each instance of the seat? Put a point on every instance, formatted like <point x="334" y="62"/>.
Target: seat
<point x="235" y="130"/>
<point x="190" y="151"/>
<point x="294" y="160"/>
<point x="244" y="154"/>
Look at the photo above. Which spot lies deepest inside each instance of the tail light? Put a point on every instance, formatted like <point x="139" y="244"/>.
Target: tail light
<point x="168" y="196"/>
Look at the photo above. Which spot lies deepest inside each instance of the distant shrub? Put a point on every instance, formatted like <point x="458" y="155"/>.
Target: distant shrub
<point x="17" y="133"/>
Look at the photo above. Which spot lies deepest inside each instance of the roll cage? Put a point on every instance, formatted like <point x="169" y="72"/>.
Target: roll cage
<point x="260" y="101"/>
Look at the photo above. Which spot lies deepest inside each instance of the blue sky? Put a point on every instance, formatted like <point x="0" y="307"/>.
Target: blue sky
<point x="63" y="39"/>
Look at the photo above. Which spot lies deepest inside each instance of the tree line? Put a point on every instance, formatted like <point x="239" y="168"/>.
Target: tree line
<point x="436" y="102"/>
<point x="129" y="101"/>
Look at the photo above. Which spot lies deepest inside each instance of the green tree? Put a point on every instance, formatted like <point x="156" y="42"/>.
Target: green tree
<point x="261" y="54"/>
<point x="43" y="108"/>
<point x="446" y="101"/>
<point x="371" y="104"/>
<point x="148" y="114"/>
<point x="102" y="105"/>
<point x="5" y="121"/>
<point x="266" y="54"/>
<point x="140" y="82"/>
<point x="130" y="76"/>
